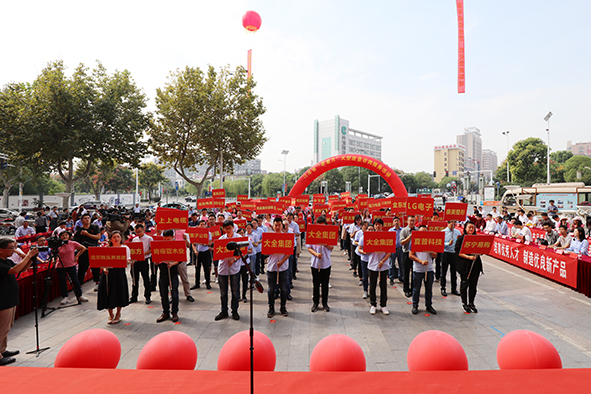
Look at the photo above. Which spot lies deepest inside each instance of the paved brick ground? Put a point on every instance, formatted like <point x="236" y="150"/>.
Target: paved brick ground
<point x="508" y="299"/>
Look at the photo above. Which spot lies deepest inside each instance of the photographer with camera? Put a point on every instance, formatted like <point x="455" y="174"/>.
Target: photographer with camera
<point x="9" y="293"/>
<point x="69" y="252"/>
<point x="87" y="235"/>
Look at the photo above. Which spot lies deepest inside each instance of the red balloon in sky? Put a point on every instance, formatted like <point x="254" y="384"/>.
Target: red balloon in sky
<point x="251" y="21"/>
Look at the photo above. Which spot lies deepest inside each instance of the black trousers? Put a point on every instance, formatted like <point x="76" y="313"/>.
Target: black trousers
<point x="448" y="259"/>
<point x="468" y="286"/>
<point x="373" y="282"/>
<point x="320" y="278"/>
<point x="438" y="266"/>
<point x="153" y="275"/>
<point x="407" y="267"/>
<point x="273" y="283"/>
<point x="71" y="272"/>
<point x="83" y="265"/>
<point x="203" y="260"/>
<point x="164" y="283"/>
<point x="244" y="279"/>
<point x="356" y="264"/>
<point x="141" y="268"/>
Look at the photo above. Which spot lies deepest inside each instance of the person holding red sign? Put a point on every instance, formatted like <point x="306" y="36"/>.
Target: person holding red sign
<point x="113" y="291"/>
<point x="141" y="267"/>
<point x="277" y="266"/>
<point x="169" y="277"/>
<point x="378" y="264"/>
<point x="320" y="266"/>
<point x="470" y="268"/>
<point x="423" y="269"/>
<point x="202" y="251"/>
<point x="449" y="259"/>
<point x="228" y="274"/>
<point x="406" y="241"/>
<point x="363" y="258"/>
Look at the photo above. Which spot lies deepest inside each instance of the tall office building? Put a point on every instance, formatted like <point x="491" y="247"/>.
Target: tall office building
<point x="580" y="148"/>
<point x="489" y="163"/>
<point x="448" y="159"/>
<point x="472" y="140"/>
<point x="335" y="137"/>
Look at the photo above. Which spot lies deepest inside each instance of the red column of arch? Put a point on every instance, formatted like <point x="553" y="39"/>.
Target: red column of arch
<point x="367" y="162"/>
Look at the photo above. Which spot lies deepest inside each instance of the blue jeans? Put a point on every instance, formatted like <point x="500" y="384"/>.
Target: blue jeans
<point x="283" y="285"/>
<point x="416" y="289"/>
<point x="234" y="281"/>
<point x="396" y="272"/>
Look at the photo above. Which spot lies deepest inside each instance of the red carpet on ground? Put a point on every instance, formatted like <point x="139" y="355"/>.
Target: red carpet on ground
<point x="100" y="381"/>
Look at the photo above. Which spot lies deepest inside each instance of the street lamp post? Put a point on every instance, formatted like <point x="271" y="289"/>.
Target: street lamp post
<point x="507" y="134"/>
<point x="284" y="153"/>
<point x="547" y="119"/>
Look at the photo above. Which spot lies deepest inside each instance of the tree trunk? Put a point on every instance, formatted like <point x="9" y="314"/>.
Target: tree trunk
<point x="5" y="196"/>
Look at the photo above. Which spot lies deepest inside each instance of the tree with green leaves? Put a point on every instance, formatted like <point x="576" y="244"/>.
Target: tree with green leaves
<point x="575" y="166"/>
<point x="150" y="175"/>
<point x="122" y="179"/>
<point x="557" y="160"/>
<point x="90" y="116"/>
<point x="207" y="119"/>
<point x="527" y="162"/>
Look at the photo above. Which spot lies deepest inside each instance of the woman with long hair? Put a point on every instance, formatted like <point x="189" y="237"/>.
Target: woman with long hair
<point x="579" y="244"/>
<point x="113" y="291"/>
<point x="469" y="266"/>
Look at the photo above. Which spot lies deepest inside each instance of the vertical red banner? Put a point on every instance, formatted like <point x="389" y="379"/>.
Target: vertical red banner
<point x="249" y="64"/>
<point x="461" y="59"/>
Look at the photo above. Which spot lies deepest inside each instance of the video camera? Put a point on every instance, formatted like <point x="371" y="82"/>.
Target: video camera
<point x="54" y="243"/>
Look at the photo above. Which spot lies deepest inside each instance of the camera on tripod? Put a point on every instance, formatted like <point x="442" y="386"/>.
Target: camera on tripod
<point x="53" y="243"/>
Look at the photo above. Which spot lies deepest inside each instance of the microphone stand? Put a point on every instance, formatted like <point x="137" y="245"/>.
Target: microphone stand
<point x="37" y="350"/>
<point x="253" y="283"/>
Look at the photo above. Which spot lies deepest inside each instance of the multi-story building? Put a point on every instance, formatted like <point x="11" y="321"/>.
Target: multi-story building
<point x="448" y="159"/>
<point x="580" y="148"/>
<point x="335" y="137"/>
<point x="472" y="140"/>
<point x="489" y="163"/>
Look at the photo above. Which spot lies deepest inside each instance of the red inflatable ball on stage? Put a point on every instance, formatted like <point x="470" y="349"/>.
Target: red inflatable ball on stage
<point x="235" y="354"/>
<point x="435" y="350"/>
<point x="171" y="350"/>
<point x="251" y="21"/>
<point x="95" y="348"/>
<point x="524" y="349"/>
<point x="333" y="162"/>
<point x="337" y="353"/>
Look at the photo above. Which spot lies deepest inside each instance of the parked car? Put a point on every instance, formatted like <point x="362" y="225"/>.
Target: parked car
<point x="8" y="214"/>
<point x="176" y="205"/>
<point x="191" y="199"/>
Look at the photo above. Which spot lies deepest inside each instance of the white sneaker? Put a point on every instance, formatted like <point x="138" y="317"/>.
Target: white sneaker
<point x="82" y="299"/>
<point x="203" y="281"/>
<point x="216" y="280"/>
<point x="360" y="283"/>
<point x="96" y="287"/>
<point x="385" y="310"/>
<point x="365" y="295"/>
<point x="64" y="301"/>
<point x="372" y="310"/>
<point x="329" y="286"/>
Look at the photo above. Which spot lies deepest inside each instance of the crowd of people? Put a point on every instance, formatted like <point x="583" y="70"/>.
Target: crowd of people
<point x="118" y="227"/>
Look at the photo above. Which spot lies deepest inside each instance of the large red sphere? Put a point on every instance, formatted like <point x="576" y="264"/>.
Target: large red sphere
<point x="524" y="349"/>
<point x="337" y="353"/>
<point x="95" y="348"/>
<point x="251" y="21"/>
<point x="168" y="350"/>
<point x="235" y="354"/>
<point x="436" y="351"/>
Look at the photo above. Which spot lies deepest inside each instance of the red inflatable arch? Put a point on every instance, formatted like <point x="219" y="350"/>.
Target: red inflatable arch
<point x="331" y="163"/>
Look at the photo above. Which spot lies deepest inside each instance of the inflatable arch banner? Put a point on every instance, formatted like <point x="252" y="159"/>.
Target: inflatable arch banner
<point x="367" y="162"/>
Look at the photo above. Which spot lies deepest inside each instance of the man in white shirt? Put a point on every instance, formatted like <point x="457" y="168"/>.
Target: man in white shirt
<point x="228" y="274"/>
<point x="423" y="270"/>
<point x="277" y="269"/>
<point x="320" y="266"/>
<point x="524" y="233"/>
<point x="141" y="267"/>
<point x="24" y="231"/>
<point x="293" y="260"/>
<point x="490" y="224"/>
<point x="495" y="213"/>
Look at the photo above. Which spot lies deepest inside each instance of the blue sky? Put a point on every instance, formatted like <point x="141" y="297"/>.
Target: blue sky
<point x="389" y="67"/>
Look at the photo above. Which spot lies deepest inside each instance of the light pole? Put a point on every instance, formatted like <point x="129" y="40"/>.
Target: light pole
<point x="284" y="153"/>
<point x="507" y="134"/>
<point x="547" y="119"/>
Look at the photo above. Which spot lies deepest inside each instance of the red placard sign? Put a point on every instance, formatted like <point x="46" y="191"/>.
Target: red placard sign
<point x="398" y="204"/>
<point x="318" y="199"/>
<point x="320" y="234"/>
<point x="301" y="200"/>
<point x="374" y="205"/>
<point x="169" y="251"/>
<point x="333" y="197"/>
<point x="346" y="195"/>
<point x="198" y="235"/>
<point x="477" y="244"/>
<point x="419" y="206"/>
<point x="107" y="257"/>
<point x="205" y="203"/>
<point x="434" y="225"/>
<point x="269" y="207"/>
<point x="379" y="241"/>
<point x="277" y="243"/>
<point x="241" y="223"/>
<point x="247" y="205"/>
<point x="241" y="197"/>
<point x="137" y="251"/>
<point x="318" y="208"/>
<point x="219" y="202"/>
<point x="215" y="231"/>
<point x="218" y="193"/>
<point x="349" y="217"/>
<point x="377" y="215"/>
<point x="428" y="241"/>
<point x="455" y="211"/>
<point x="337" y="205"/>
<point x="220" y="251"/>
<point x="361" y="196"/>
<point x="171" y="219"/>
<point x="388" y="222"/>
<point x="157" y="237"/>
<point x="301" y="224"/>
<point x="361" y="202"/>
